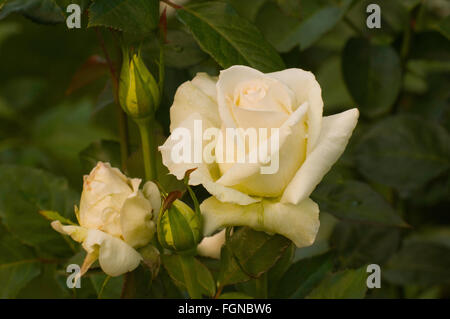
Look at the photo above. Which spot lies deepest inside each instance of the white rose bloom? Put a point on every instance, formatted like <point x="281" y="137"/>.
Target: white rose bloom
<point x="309" y="144"/>
<point x="115" y="217"/>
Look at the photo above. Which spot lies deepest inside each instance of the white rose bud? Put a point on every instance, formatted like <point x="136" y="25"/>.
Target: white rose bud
<point x="115" y="217"/>
<point x="308" y="145"/>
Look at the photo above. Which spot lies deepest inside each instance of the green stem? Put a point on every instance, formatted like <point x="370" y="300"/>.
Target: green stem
<point x="148" y="145"/>
<point x="105" y="282"/>
<point x="123" y="136"/>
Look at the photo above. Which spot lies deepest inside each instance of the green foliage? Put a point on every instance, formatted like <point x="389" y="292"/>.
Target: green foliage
<point x="40" y="11"/>
<point x="373" y="75"/>
<point x="289" y="32"/>
<point x="234" y="295"/>
<point x="181" y="50"/>
<point x="107" y="287"/>
<point x="249" y="254"/>
<point x="247" y="9"/>
<point x="444" y="27"/>
<point x="103" y="151"/>
<point x="63" y="4"/>
<point x="303" y="276"/>
<point x="133" y="16"/>
<point x="18" y="265"/>
<point x="228" y="38"/>
<point x="25" y="192"/>
<point x="359" y="244"/>
<point x="201" y="276"/>
<point x="404" y="152"/>
<point x="356" y="201"/>
<point x="45" y="285"/>
<point x="421" y="263"/>
<point x="346" y="284"/>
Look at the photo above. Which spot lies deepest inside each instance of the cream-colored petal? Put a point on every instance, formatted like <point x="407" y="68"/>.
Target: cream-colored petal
<point x="135" y="182"/>
<point x="226" y="194"/>
<point x="187" y="127"/>
<point x="151" y="192"/>
<point x="88" y="261"/>
<point x="110" y="218"/>
<point x="77" y="233"/>
<point x="205" y="174"/>
<point x="136" y="221"/>
<point x="211" y="246"/>
<point x="228" y="79"/>
<point x="207" y="84"/>
<point x="255" y="119"/>
<point x="290" y="153"/>
<point x="105" y="187"/>
<point x="190" y="98"/>
<point x="306" y="89"/>
<point x="115" y="256"/>
<point x="299" y="223"/>
<point x="104" y="180"/>
<point x="336" y="131"/>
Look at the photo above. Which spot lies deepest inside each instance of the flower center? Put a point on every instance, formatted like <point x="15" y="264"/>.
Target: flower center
<point x="250" y="94"/>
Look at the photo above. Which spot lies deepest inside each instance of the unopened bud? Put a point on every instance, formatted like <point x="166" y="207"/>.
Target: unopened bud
<point x="179" y="227"/>
<point x="138" y="91"/>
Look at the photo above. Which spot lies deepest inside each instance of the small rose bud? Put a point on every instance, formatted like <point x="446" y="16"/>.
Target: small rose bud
<point x="179" y="226"/>
<point x="139" y="93"/>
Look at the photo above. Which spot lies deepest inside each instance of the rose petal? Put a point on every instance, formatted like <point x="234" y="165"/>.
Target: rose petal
<point x="258" y="119"/>
<point x="247" y="176"/>
<point x="207" y="84"/>
<point x="306" y="89"/>
<point x="179" y="169"/>
<point x="152" y="193"/>
<point x="205" y="174"/>
<point x="299" y="223"/>
<point x="222" y="193"/>
<point x="136" y="221"/>
<point x="211" y="246"/>
<point x="105" y="188"/>
<point x="115" y="256"/>
<point x="336" y="131"/>
<point x="77" y="233"/>
<point x="225" y="89"/>
<point x="194" y="97"/>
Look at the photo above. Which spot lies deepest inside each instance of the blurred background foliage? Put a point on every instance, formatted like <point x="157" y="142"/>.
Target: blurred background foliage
<point x="385" y="202"/>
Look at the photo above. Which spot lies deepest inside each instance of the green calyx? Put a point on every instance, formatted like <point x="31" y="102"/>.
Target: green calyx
<point x="179" y="227"/>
